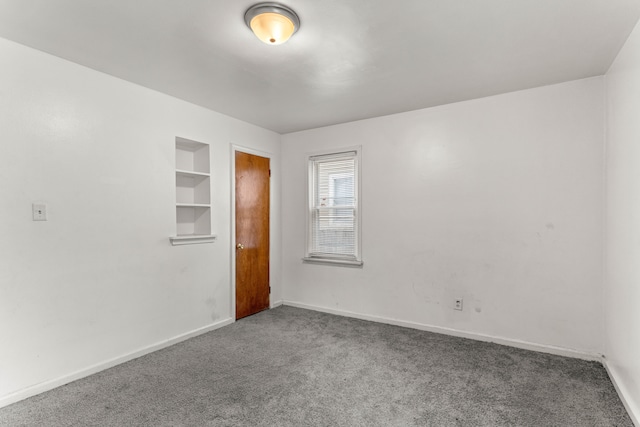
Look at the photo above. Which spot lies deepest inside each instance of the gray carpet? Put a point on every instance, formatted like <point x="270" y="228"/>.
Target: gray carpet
<point x="293" y="367"/>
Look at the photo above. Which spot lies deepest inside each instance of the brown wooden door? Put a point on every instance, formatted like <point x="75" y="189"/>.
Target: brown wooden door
<point x="252" y="234"/>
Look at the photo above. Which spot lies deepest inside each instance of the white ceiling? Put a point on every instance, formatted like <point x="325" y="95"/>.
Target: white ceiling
<point x="351" y="59"/>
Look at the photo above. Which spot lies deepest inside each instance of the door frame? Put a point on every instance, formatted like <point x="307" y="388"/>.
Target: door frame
<point x="243" y="149"/>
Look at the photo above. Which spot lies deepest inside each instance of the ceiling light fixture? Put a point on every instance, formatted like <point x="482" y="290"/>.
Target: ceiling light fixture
<point x="272" y="23"/>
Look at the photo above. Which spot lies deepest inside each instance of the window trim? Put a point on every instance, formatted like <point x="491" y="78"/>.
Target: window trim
<point x="328" y="259"/>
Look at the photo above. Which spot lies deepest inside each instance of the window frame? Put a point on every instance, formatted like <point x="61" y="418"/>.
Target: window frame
<point x="340" y="260"/>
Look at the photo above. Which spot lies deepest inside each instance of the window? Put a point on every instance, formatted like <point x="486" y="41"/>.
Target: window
<point x="334" y="213"/>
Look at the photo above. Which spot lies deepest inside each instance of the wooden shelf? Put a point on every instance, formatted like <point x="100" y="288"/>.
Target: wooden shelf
<point x="192" y="205"/>
<point x="180" y="172"/>
<point x="192" y="239"/>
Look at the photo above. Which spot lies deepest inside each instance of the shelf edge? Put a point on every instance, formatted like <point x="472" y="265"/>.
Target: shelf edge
<point x="193" y="173"/>
<point x="192" y="240"/>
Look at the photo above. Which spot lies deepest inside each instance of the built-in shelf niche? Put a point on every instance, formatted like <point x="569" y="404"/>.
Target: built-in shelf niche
<point x="193" y="193"/>
<point x="192" y="188"/>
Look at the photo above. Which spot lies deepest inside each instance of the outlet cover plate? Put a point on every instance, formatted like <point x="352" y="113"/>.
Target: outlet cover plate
<point x="39" y="211"/>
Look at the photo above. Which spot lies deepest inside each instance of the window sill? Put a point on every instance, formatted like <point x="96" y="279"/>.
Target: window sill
<point x="332" y="261"/>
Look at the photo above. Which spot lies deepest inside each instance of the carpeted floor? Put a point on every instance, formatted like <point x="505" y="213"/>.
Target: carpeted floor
<point x="293" y="367"/>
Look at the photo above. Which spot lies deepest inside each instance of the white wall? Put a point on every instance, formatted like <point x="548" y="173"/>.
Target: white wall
<point x="622" y="264"/>
<point x="496" y="200"/>
<point x="100" y="280"/>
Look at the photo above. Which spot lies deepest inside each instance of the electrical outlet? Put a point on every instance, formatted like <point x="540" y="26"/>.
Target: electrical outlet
<point x="457" y="305"/>
<point x="39" y="212"/>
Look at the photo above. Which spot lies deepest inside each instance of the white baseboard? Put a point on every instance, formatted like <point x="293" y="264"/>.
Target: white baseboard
<point x="275" y="304"/>
<point x="560" y="351"/>
<point x="65" y="379"/>
<point x="632" y="410"/>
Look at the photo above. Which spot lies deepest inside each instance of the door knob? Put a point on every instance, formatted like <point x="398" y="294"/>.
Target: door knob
<point x="239" y="246"/>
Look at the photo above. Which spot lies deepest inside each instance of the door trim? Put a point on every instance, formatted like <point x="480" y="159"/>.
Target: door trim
<point x="232" y="248"/>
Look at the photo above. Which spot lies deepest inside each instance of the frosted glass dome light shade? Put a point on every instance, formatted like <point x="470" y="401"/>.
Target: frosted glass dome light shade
<point x="272" y="23"/>
<point x="272" y="28"/>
